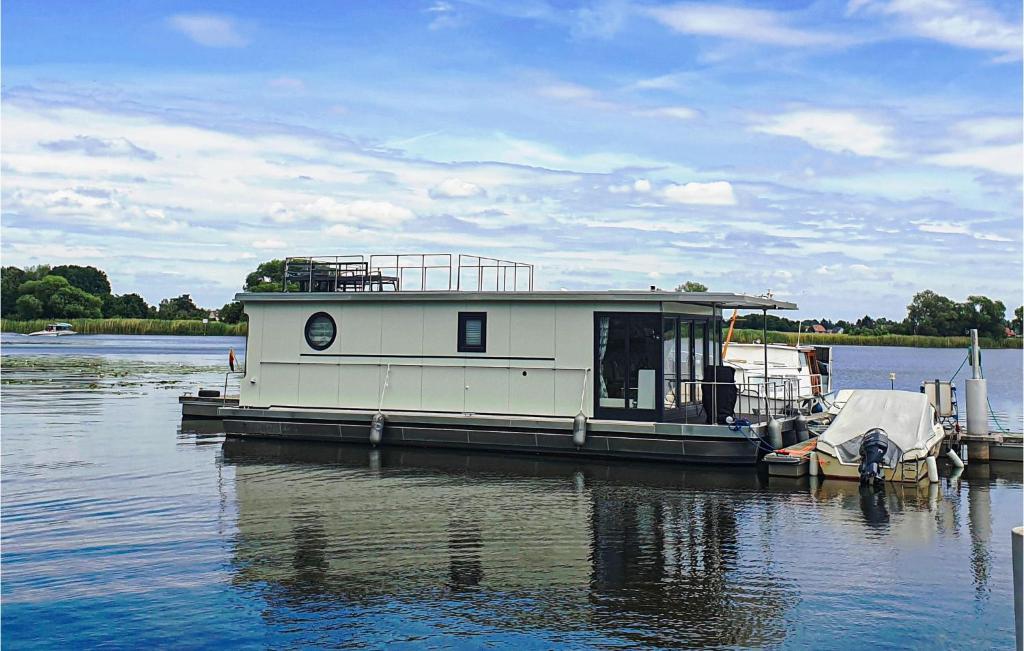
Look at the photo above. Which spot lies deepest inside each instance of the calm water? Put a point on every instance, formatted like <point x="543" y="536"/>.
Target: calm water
<point x="122" y="526"/>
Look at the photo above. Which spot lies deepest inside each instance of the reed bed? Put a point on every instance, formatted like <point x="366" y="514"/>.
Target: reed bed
<point x="131" y="327"/>
<point x="911" y="341"/>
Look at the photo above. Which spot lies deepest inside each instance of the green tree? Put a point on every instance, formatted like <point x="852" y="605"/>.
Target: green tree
<point x="986" y="315"/>
<point x="692" y="286"/>
<point x="268" y="277"/>
<point x="1018" y="320"/>
<point x="74" y="303"/>
<point x="10" y="279"/>
<point x="60" y="300"/>
<point x="37" y="272"/>
<point x="775" y="323"/>
<point x="44" y="288"/>
<point x="181" y="307"/>
<point x="28" y="307"/>
<point x="88" y="279"/>
<point x="125" y="306"/>
<point x="232" y="312"/>
<point x="932" y="314"/>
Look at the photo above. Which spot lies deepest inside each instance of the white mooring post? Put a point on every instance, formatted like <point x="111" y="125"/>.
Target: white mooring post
<point x="977" y="393"/>
<point x="1018" y="588"/>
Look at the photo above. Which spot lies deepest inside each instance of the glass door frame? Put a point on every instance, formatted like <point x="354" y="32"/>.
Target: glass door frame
<point x="625" y="412"/>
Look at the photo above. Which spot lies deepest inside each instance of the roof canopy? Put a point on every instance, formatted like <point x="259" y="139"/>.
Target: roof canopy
<point x="710" y="299"/>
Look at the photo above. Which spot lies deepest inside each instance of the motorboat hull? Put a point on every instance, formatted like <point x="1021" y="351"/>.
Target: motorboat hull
<point x="912" y="471"/>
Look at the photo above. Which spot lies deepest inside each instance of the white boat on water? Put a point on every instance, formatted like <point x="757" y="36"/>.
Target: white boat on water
<point x="800" y="375"/>
<point x="54" y="330"/>
<point x="880" y="435"/>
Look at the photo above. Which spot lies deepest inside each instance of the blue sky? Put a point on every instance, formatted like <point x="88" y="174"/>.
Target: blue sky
<point x="842" y="155"/>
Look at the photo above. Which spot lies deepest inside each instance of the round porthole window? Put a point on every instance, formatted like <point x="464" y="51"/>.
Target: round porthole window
<point x="320" y="331"/>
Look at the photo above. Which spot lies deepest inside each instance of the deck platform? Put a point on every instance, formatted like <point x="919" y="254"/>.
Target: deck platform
<point x="791" y="461"/>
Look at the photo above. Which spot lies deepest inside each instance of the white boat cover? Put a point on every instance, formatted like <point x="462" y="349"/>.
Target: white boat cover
<point x="907" y="419"/>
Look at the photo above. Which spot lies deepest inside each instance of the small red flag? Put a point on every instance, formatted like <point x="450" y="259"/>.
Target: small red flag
<point x="231" y="358"/>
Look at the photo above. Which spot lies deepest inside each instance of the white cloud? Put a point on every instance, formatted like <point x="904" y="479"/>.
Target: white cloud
<point x="956" y="22"/>
<point x="716" y="193"/>
<point x="988" y="130"/>
<point x="444" y="15"/>
<point x="360" y="213"/>
<point x="991" y="237"/>
<point x="269" y="244"/>
<point x="837" y="131"/>
<point x="943" y="228"/>
<point x="639" y="186"/>
<point x="115" y="211"/>
<point x="673" y="112"/>
<point x="209" y="29"/>
<point x="453" y="188"/>
<point x="567" y="91"/>
<point x="1001" y="159"/>
<point x="576" y="94"/>
<point x="754" y="25"/>
<point x="53" y="252"/>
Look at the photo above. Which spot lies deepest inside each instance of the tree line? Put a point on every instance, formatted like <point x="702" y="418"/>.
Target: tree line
<point x="84" y="292"/>
<point x="74" y="291"/>
<point x="929" y="314"/>
<point x="80" y="292"/>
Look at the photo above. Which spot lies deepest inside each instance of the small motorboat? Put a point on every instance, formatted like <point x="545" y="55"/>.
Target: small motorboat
<point x="880" y="435"/>
<point x="54" y="330"/>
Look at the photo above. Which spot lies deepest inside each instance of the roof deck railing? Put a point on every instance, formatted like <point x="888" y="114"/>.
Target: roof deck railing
<point x="405" y="272"/>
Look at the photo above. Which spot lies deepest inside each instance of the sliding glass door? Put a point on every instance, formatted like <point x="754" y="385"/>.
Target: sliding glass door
<point x="687" y="345"/>
<point x="627" y="354"/>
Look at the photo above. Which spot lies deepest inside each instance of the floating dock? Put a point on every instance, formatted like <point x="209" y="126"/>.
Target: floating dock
<point x="193" y="406"/>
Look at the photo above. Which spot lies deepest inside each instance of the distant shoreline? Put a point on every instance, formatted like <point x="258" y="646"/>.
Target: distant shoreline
<point x="216" y="328"/>
<point x="131" y="327"/>
<point x="910" y="341"/>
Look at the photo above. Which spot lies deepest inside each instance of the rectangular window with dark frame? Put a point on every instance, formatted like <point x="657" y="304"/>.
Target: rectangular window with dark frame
<point x="472" y="332"/>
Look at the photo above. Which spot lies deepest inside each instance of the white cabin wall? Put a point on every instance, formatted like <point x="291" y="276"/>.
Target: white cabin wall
<point x="249" y="392"/>
<point x="419" y="340"/>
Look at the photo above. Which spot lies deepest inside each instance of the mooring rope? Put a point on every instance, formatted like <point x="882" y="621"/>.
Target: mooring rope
<point x="961" y="365"/>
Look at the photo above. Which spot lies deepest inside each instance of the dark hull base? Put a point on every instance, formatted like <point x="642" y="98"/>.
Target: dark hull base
<point x="716" y="449"/>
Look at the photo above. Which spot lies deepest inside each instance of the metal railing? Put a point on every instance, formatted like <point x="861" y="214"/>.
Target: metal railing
<point x="757" y="401"/>
<point x="502" y="270"/>
<point x="423" y="263"/>
<point x="405" y="272"/>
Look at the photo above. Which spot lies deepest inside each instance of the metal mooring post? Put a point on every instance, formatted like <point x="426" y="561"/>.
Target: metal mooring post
<point x="1018" y="584"/>
<point x="977" y="406"/>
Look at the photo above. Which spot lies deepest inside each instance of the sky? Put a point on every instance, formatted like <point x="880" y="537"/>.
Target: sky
<point x="843" y="155"/>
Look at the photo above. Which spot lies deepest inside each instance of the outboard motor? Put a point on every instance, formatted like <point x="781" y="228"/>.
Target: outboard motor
<point x="873" y="447"/>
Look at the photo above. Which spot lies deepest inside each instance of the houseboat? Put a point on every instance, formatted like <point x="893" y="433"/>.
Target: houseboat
<point x="809" y="368"/>
<point x="462" y="352"/>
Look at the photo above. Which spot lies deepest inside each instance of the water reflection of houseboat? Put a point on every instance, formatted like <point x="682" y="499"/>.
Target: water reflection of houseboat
<point x="588" y="544"/>
<point x="497" y="366"/>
